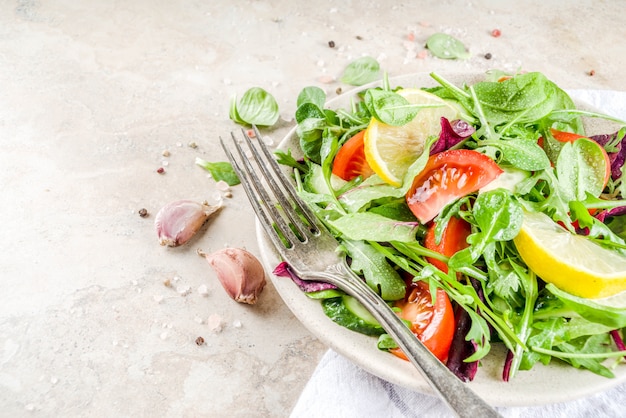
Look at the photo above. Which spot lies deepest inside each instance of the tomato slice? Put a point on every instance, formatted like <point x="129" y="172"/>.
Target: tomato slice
<point x="448" y="176"/>
<point x="433" y="324"/>
<point x="350" y="160"/>
<point x="563" y="136"/>
<point x="453" y="239"/>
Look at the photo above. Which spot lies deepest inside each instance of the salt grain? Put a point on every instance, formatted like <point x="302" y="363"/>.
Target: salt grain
<point x="268" y="140"/>
<point x="183" y="290"/>
<point x="203" y="290"/>
<point x="215" y="323"/>
<point x="222" y="186"/>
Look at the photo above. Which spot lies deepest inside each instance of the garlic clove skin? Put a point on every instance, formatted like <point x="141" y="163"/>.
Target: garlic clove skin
<point x="240" y="273"/>
<point x="178" y="221"/>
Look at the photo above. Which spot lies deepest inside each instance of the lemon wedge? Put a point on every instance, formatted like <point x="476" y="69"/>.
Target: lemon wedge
<point x="390" y="150"/>
<point x="571" y="262"/>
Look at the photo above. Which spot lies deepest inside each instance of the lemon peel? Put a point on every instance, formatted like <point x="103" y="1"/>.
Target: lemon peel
<point x="573" y="263"/>
<point x="390" y="150"/>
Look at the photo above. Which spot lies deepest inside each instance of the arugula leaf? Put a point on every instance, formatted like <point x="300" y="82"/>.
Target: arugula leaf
<point x="591" y="310"/>
<point x="379" y="275"/>
<point x="286" y="159"/>
<point x="498" y="217"/>
<point x="373" y="227"/>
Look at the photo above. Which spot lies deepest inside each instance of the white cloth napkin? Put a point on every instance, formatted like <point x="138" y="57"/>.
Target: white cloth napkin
<point x="339" y="388"/>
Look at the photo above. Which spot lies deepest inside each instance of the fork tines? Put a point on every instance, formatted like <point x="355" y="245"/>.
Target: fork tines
<point x="272" y="196"/>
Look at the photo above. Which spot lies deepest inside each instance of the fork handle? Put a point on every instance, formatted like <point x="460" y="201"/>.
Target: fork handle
<point x="456" y="394"/>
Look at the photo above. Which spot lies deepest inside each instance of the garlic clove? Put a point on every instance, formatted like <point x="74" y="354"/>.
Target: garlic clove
<point x="240" y="273"/>
<point x="178" y="221"/>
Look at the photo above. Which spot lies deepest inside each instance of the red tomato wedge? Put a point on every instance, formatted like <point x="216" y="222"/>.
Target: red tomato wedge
<point x="350" y="160"/>
<point x="563" y="136"/>
<point x="448" y="176"/>
<point x="453" y="239"/>
<point x="432" y="324"/>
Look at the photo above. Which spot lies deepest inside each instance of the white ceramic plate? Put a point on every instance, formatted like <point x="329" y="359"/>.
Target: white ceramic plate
<point x="543" y="384"/>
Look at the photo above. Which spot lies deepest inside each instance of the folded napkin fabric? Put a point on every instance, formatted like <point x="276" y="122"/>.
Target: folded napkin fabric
<point x="339" y="388"/>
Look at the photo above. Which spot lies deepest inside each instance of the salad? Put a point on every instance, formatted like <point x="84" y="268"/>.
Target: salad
<point x="482" y="213"/>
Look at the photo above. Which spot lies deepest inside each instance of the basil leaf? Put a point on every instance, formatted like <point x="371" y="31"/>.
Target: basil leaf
<point x="523" y="154"/>
<point x="312" y="94"/>
<point x="309" y="110"/>
<point x="389" y="107"/>
<point x="580" y="169"/>
<point x="361" y="71"/>
<point x="256" y="107"/>
<point x="220" y="171"/>
<point x="447" y="47"/>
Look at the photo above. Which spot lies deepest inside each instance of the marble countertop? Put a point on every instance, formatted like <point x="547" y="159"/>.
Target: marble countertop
<point x="91" y="95"/>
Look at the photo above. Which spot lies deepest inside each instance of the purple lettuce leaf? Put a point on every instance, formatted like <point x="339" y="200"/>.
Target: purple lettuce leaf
<point x="451" y="134"/>
<point x="460" y="349"/>
<point x="284" y="270"/>
<point x="616" y="157"/>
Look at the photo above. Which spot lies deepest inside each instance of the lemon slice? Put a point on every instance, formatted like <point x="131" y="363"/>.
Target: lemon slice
<point x="390" y="150"/>
<point x="571" y="262"/>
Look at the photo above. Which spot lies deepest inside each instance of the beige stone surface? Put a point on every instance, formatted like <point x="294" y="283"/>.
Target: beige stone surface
<point x="91" y="95"/>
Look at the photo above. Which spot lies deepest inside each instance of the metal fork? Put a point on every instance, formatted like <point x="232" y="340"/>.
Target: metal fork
<point x="311" y="251"/>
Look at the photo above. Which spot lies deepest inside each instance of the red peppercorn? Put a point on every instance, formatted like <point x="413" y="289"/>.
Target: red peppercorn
<point x="496" y="33"/>
<point x="160" y="170"/>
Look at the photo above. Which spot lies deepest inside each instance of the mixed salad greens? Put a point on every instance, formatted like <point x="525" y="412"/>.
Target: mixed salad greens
<point x="440" y="248"/>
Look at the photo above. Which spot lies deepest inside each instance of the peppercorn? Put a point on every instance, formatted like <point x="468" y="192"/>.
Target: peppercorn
<point x="143" y="212"/>
<point x="331" y="44"/>
<point x="488" y="56"/>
